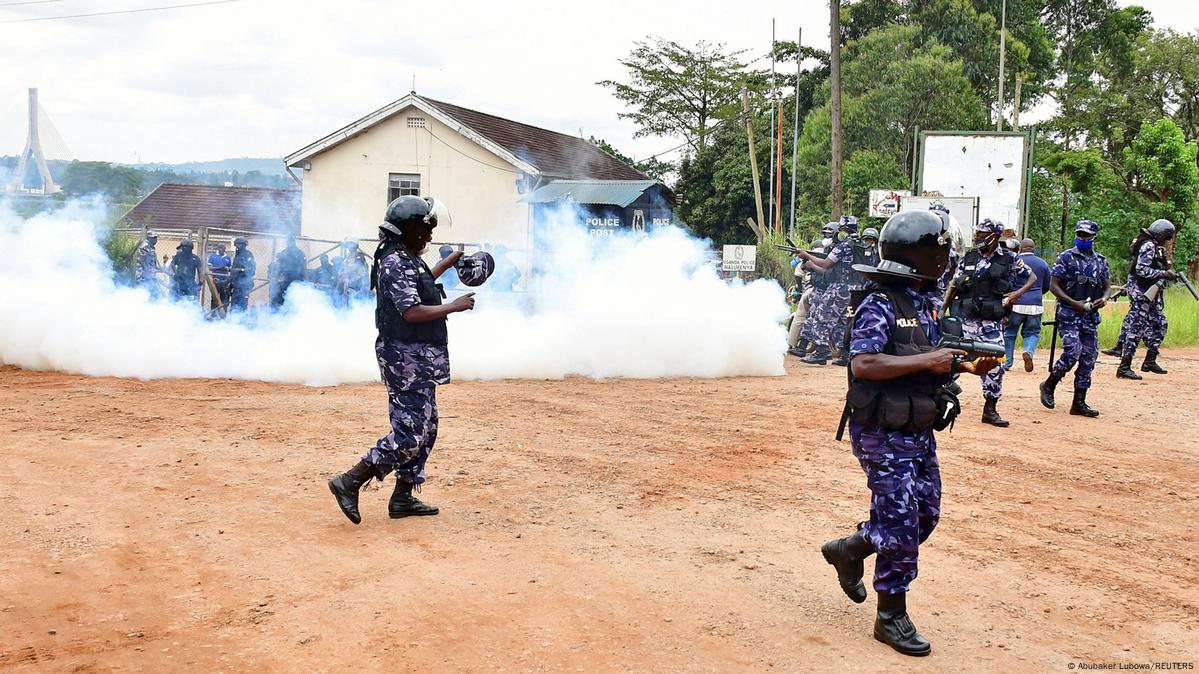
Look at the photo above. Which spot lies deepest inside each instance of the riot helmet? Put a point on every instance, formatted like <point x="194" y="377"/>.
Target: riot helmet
<point x="240" y="242"/>
<point x="410" y="209"/>
<point x="913" y="245"/>
<point x="870" y="233"/>
<point x="186" y="245"/>
<point x="1161" y="230"/>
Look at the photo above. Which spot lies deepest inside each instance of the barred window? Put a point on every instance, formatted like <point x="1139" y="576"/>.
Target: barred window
<point x="400" y="184"/>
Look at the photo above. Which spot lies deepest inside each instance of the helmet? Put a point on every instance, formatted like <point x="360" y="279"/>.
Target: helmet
<point x="849" y="223"/>
<point x="349" y="244"/>
<point x="1091" y="227"/>
<point x="830" y="228"/>
<point x="913" y="245"/>
<point x="938" y="207"/>
<point x="186" y="244"/>
<point x="870" y="233"/>
<point x="474" y="269"/>
<point x="410" y="209"/>
<point x="150" y="235"/>
<point x="1162" y="230"/>
<point x="990" y="226"/>
<point x="240" y="242"/>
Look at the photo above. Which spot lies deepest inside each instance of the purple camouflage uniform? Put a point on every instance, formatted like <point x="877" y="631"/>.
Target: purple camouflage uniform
<point x="1079" y="331"/>
<point x="901" y="468"/>
<point x="991" y="331"/>
<point x="1146" y="319"/>
<point x="411" y="372"/>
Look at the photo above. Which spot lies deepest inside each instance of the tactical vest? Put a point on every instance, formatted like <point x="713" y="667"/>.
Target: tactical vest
<point x="390" y="321"/>
<point x="981" y="297"/>
<point x="1159" y="263"/>
<point x="912" y="403"/>
<point x="864" y="254"/>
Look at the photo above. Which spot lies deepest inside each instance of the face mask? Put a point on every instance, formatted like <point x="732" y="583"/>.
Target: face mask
<point x="1084" y="245"/>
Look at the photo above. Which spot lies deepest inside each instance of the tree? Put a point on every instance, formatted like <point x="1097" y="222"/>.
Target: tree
<point x="120" y="184"/>
<point x="652" y="167"/>
<point x="1161" y="167"/>
<point x="867" y="170"/>
<point x="680" y="91"/>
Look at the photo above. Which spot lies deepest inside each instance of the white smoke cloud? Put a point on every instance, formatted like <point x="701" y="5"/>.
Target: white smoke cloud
<point x="639" y="306"/>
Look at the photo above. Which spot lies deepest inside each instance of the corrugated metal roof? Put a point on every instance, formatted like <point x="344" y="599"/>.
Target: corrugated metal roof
<point x="614" y="192"/>
<point x="255" y="209"/>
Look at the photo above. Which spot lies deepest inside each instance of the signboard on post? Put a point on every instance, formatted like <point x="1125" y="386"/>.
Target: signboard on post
<point x="885" y="203"/>
<point x="739" y="258"/>
<point x="995" y="167"/>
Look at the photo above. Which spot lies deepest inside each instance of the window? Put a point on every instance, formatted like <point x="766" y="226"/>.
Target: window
<point x="400" y="184"/>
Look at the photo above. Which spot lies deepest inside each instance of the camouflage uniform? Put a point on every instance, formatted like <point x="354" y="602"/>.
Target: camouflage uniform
<point x="991" y="331"/>
<point x="901" y="468"/>
<point x="847" y="281"/>
<point x="146" y="267"/>
<point x="1146" y="319"/>
<point x="411" y="372"/>
<point x="1079" y="331"/>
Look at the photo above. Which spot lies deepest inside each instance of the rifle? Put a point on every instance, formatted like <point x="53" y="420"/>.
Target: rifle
<point x="796" y="250"/>
<point x="1157" y="288"/>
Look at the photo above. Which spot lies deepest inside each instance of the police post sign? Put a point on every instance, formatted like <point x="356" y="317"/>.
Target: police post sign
<point x="739" y="258"/>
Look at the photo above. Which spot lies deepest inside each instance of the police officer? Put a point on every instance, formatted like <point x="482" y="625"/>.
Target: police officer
<point x="218" y="266"/>
<point x="1082" y="284"/>
<point x="241" y="275"/>
<point x="896" y="399"/>
<point x="146" y="266"/>
<point x="352" y="274"/>
<point x="981" y="294"/>
<point x="184" y="271"/>
<point x="843" y="280"/>
<point x="290" y="265"/>
<point x="1146" y="318"/>
<point x="815" y="321"/>
<point x="412" y="354"/>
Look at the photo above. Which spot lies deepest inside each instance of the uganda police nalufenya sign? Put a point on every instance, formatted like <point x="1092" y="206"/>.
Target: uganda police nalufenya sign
<point x="885" y="203"/>
<point x="739" y="258"/>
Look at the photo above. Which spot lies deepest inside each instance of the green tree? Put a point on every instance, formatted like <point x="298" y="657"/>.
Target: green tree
<point x="652" y="167"/>
<point x="866" y="170"/>
<point x="679" y="91"/>
<point x="120" y="184"/>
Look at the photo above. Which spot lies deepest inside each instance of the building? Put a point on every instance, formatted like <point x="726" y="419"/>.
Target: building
<point x="494" y="174"/>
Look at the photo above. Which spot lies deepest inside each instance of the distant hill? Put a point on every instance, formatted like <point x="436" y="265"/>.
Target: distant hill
<point x="269" y="166"/>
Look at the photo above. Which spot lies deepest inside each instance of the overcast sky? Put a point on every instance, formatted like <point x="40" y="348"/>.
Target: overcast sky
<point x="263" y="78"/>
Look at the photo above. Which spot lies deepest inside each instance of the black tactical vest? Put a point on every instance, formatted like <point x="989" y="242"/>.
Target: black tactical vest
<point x="391" y="323"/>
<point x="981" y="296"/>
<point x="1159" y="263"/>
<point x="912" y="403"/>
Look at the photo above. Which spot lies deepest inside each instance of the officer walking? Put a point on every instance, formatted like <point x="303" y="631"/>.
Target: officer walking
<point x="1025" y="319"/>
<point x="184" y="271"/>
<point x="1146" y="319"/>
<point x="412" y="354"/>
<point x="1082" y="284"/>
<point x="988" y="281"/>
<point x="815" y="321"/>
<point x="145" y="269"/>
<point x="241" y="275"/>
<point x="896" y="399"/>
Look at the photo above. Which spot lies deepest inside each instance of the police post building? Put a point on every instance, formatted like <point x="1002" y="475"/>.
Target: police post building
<point x="500" y="178"/>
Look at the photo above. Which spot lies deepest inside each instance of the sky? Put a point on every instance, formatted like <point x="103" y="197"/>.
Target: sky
<point x="263" y="78"/>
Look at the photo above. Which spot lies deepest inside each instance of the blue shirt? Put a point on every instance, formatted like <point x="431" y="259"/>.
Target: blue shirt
<point x="1034" y="296"/>
<point x="219" y="265"/>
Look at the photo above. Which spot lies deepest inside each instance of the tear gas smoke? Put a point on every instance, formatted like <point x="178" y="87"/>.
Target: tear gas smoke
<point x="636" y="306"/>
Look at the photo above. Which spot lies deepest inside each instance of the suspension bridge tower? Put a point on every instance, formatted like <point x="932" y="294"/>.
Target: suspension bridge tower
<point x="33" y="158"/>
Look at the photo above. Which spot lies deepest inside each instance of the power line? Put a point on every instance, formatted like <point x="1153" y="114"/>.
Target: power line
<point x="120" y="11"/>
<point x="28" y="2"/>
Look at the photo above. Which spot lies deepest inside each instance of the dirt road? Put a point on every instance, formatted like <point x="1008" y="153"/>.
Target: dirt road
<point x="585" y="526"/>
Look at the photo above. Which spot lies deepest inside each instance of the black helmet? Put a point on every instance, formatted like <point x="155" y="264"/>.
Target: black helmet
<point x="913" y="245"/>
<point x="1162" y="230"/>
<point x="410" y="209"/>
<point x="240" y="242"/>
<point x="186" y="244"/>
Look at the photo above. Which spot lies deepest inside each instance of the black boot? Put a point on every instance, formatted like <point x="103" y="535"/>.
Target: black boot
<point x="1114" y="351"/>
<point x="846" y="555"/>
<point x="1150" y="364"/>
<point x="894" y="628"/>
<point x="817" y="357"/>
<point x="1125" y="370"/>
<point x="842" y="358"/>
<point x="1080" y="406"/>
<point x="991" y="415"/>
<point x="404" y="504"/>
<point x="345" y="488"/>
<point x="1047" y="388"/>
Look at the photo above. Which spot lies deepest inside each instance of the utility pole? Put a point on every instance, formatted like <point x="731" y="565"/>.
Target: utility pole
<point x="774" y="102"/>
<point x="795" y="127"/>
<point x="753" y="158"/>
<point x="1016" y="105"/>
<point x="835" y="78"/>
<point x="1002" y="57"/>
